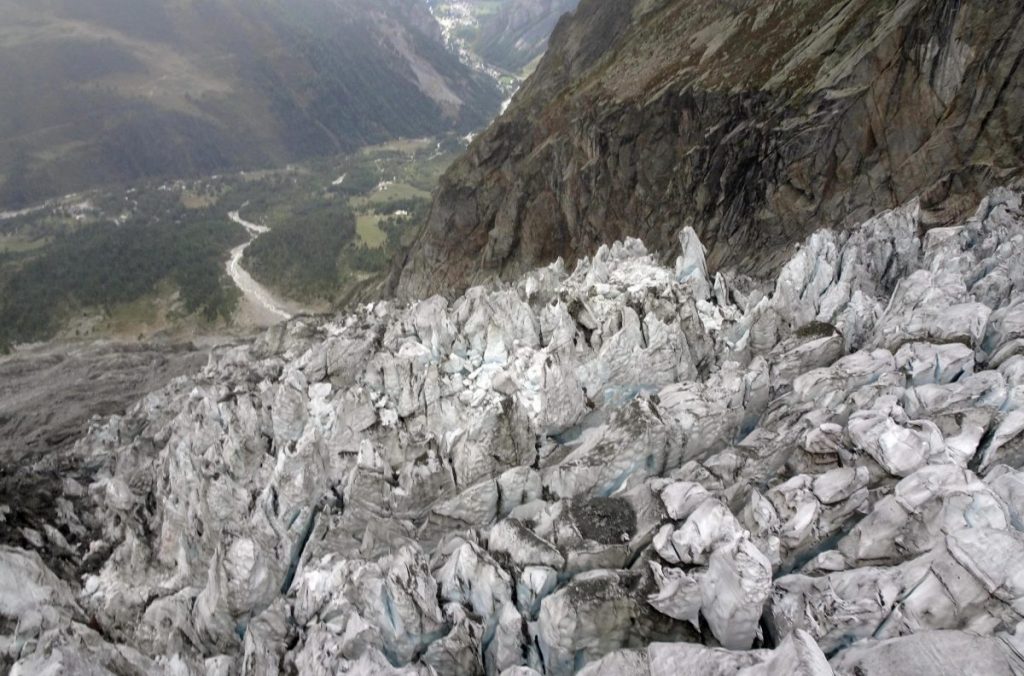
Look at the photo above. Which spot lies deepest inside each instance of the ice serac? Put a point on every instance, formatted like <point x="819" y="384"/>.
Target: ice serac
<point x="753" y="123"/>
<point x="620" y="468"/>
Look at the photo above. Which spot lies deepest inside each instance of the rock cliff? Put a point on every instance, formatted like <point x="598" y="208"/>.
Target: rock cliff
<point x="619" y="468"/>
<point x="752" y="122"/>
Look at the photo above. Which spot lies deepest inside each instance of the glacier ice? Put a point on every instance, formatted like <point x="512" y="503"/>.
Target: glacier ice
<point x="622" y="468"/>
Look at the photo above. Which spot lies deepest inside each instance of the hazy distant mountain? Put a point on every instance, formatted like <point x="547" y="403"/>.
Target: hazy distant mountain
<point x="517" y="34"/>
<point x="97" y="91"/>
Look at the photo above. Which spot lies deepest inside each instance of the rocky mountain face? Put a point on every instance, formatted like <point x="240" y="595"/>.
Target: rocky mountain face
<point x="102" y="91"/>
<point x="517" y="34"/>
<point x="622" y="468"/>
<point x="752" y="122"/>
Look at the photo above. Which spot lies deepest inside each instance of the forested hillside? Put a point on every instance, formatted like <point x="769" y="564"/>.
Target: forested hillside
<point x="104" y="91"/>
<point x="110" y="264"/>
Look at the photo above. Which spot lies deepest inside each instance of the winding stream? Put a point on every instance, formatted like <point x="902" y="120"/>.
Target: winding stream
<point x="254" y="292"/>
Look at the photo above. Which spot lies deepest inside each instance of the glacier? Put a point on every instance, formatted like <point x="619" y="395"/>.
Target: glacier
<point x="627" y="467"/>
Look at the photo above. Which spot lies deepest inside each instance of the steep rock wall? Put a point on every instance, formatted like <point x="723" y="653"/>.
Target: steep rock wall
<point x="754" y="123"/>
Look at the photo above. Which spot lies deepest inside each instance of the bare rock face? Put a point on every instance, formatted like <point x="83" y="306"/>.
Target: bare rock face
<point x="753" y="122"/>
<point x="623" y="468"/>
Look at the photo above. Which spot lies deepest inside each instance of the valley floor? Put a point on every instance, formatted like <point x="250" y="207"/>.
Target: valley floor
<point x="259" y="306"/>
<point x="161" y="261"/>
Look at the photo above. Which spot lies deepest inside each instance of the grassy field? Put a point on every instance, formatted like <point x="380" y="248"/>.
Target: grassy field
<point x="18" y="244"/>
<point x="192" y="200"/>
<point x="368" y="229"/>
<point x="392" y="192"/>
<point x="366" y="209"/>
<point x="402" y="145"/>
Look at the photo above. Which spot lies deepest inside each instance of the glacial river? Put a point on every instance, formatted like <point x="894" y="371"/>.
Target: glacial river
<point x="255" y="293"/>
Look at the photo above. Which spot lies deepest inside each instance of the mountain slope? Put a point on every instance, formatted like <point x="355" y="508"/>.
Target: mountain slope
<point x="753" y="122"/>
<point x="515" y="35"/>
<point x="98" y="91"/>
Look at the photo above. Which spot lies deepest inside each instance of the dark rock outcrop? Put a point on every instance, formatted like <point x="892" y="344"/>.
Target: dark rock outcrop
<point x="752" y="122"/>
